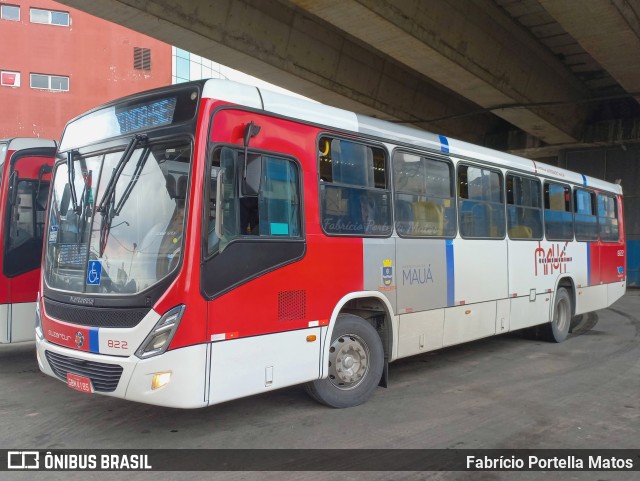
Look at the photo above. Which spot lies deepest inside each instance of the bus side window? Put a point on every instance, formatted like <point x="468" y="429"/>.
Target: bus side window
<point x="23" y="248"/>
<point x="424" y="196"/>
<point x="608" y="218"/>
<point x="354" y="191"/>
<point x="263" y="205"/>
<point x="585" y="215"/>
<point x="524" y="208"/>
<point x="558" y="216"/>
<point x="481" y="203"/>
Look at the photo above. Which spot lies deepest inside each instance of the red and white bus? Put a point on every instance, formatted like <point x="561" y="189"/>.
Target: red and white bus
<point x="25" y="172"/>
<point x="211" y="240"/>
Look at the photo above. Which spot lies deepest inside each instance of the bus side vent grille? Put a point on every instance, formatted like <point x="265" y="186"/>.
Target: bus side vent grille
<point x="292" y="305"/>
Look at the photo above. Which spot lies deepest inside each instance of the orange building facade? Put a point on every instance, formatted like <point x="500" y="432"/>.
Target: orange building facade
<point x="57" y="62"/>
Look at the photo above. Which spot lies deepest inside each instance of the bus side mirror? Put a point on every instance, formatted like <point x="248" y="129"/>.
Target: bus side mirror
<point x="252" y="177"/>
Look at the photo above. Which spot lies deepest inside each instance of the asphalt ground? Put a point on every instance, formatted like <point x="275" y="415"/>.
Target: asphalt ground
<point x="501" y="392"/>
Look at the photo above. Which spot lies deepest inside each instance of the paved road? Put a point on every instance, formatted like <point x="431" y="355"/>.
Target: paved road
<point x="503" y="392"/>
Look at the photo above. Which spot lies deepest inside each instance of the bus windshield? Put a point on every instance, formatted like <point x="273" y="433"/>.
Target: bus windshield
<point x="123" y="233"/>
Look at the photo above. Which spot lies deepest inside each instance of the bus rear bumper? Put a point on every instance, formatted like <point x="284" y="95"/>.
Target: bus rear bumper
<point x="130" y="377"/>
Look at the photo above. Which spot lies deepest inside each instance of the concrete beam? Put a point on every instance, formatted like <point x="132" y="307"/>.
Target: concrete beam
<point x="473" y="48"/>
<point x="294" y="49"/>
<point x="609" y="31"/>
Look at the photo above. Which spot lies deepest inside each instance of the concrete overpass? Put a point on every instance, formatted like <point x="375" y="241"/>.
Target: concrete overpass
<point x="533" y="77"/>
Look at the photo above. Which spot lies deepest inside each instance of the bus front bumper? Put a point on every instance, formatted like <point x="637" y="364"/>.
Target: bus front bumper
<point x="131" y="378"/>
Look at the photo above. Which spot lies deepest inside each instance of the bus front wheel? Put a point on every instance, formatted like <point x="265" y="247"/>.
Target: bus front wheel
<point x="558" y="328"/>
<point x="356" y="360"/>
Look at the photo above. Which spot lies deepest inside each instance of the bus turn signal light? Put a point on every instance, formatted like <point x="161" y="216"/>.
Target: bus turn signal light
<point x="311" y="338"/>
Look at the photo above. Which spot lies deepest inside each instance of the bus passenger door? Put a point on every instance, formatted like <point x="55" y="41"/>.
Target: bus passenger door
<point x="25" y="200"/>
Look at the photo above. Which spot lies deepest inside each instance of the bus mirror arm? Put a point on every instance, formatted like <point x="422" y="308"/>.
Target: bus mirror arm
<point x="219" y="202"/>
<point x="250" y="131"/>
<point x="13" y="187"/>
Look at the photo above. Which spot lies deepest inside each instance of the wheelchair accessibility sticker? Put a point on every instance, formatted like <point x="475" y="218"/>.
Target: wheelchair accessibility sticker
<point x="94" y="271"/>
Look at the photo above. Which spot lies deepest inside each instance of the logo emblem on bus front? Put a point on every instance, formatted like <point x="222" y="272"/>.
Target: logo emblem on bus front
<point x="387" y="272"/>
<point x="79" y="339"/>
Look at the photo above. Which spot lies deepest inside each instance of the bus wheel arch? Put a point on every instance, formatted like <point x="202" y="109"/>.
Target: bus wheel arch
<point x="356" y="351"/>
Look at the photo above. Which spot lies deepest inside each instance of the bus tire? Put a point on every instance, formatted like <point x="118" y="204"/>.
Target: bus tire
<point x="356" y="361"/>
<point x="583" y="322"/>
<point x="558" y="328"/>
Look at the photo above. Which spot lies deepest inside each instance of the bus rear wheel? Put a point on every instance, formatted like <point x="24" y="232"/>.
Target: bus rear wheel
<point x="356" y="361"/>
<point x="558" y="328"/>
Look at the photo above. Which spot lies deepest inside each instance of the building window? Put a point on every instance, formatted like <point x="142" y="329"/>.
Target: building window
<point x="10" y="79"/>
<point x="10" y="12"/>
<point x="49" y="17"/>
<point x="141" y="58"/>
<point x="49" y="82"/>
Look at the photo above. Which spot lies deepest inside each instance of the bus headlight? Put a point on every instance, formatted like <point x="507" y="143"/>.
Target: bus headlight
<point x="38" y="325"/>
<point x="159" y="338"/>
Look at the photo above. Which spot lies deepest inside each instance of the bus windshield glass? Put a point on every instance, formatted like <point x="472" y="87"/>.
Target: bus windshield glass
<point x="127" y="240"/>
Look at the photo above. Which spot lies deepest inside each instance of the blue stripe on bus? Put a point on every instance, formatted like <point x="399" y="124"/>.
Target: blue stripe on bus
<point x="588" y="263"/>
<point x="94" y="343"/>
<point x="584" y="180"/>
<point x="451" y="285"/>
<point x="444" y="144"/>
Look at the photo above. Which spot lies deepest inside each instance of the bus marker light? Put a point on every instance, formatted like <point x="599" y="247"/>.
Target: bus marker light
<point x="311" y="338"/>
<point x="224" y="336"/>
<point x="468" y="311"/>
<point x="160" y="379"/>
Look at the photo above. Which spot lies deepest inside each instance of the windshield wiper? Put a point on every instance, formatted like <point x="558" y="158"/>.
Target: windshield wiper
<point x="108" y="198"/>
<point x="71" y="171"/>
<point x="117" y="171"/>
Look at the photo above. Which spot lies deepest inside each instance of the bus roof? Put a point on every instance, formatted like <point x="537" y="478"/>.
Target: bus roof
<point x="19" y="143"/>
<point x="339" y="119"/>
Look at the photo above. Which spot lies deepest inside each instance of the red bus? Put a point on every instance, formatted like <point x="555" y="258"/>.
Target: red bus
<point x="25" y="172"/>
<point x="211" y="240"/>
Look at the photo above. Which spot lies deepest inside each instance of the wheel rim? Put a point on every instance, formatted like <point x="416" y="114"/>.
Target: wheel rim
<point x="562" y="314"/>
<point x="348" y="361"/>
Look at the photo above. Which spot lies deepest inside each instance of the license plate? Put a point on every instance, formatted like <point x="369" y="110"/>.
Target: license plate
<point x="79" y="383"/>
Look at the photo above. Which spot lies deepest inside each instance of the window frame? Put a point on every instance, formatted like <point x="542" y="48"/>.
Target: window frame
<point x="452" y="186"/>
<point x="388" y="190"/>
<point x="459" y="198"/>
<point x="49" y="78"/>
<point x="2" y="7"/>
<point x="50" y="17"/>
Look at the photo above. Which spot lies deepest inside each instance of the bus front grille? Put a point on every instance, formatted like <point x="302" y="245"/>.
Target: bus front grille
<point x="104" y="377"/>
<point x="94" y="316"/>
